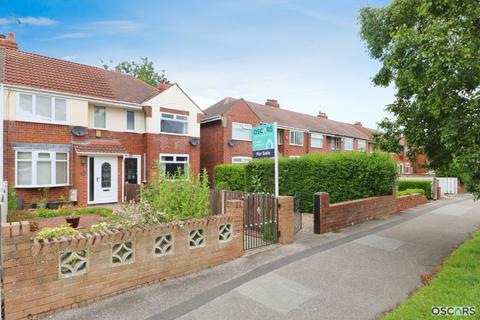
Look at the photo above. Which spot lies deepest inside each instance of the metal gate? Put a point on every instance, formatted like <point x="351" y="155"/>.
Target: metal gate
<point x="260" y="220"/>
<point x="297" y="219"/>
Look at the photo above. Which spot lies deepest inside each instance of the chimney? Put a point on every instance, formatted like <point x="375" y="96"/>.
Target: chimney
<point x="272" y="103"/>
<point x="322" y="115"/>
<point x="358" y="123"/>
<point x="9" y="41"/>
<point x="163" y="85"/>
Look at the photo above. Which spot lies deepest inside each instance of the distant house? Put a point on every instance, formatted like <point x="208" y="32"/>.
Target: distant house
<point x="226" y="132"/>
<point x="73" y="127"/>
<point x="408" y="167"/>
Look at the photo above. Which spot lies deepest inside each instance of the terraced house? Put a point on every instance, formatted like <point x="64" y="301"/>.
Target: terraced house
<point x="82" y="131"/>
<point x="226" y="132"/>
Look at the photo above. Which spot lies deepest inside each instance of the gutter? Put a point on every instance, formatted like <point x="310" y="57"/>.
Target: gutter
<point x="211" y="119"/>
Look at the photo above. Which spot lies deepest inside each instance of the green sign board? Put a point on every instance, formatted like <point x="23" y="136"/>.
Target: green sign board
<point x="263" y="140"/>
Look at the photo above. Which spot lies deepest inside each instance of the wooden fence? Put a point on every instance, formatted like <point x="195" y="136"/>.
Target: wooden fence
<point x="218" y="199"/>
<point x="132" y="191"/>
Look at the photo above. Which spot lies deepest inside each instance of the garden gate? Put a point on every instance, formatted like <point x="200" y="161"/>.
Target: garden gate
<point x="260" y="220"/>
<point x="297" y="219"/>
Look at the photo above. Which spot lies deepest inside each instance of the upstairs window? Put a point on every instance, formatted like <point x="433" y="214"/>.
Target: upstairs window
<point x="348" y="144"/>
<point x="296" y="138"/>
<point x="130" y="120"/>
<point x="362" y="145"/>
<point x="41" y="168"/>
<point x="316" y="140"/>
<point x="99" y="117"/>
<point x="241" y="131"/>
<point x="173" y="123"/>
<point x="41" y="108"/>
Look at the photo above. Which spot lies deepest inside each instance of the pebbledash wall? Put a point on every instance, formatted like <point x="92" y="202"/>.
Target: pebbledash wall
<point x="44" y="277"/>
<point x="343" y="214"/>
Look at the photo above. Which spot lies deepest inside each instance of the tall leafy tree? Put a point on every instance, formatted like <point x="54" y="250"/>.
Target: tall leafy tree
<point x="143" y="70"/>
<point x="430" y="52"/>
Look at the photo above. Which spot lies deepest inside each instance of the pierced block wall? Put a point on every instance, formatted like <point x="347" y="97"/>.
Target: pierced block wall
<point x="43" y="277"/>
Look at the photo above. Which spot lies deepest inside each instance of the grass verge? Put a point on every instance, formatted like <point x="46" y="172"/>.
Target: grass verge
<point x="456" y="284"/>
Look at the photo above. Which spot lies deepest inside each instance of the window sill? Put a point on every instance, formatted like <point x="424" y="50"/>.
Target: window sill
<point x="42" y="122"/>
<point x="247" y="140"/>
<point x="296" y="145"/>
<point x="47" y="186"/>
<point x="176" y="134"/>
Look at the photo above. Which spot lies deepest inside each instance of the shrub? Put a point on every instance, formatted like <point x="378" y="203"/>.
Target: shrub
<point x="69" y="211"/>
<point x="102" y="226"/>
<point x="178" y="197"/>
<point x="230" y="177"/>
<point x="63" y="230"/>
<point x="410" y="191"/>
<point x="425" y="185"/>
<point x="345" y="175"/>
<point x="12" y="199"/>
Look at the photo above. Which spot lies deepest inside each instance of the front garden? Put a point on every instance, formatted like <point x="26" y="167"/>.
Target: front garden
<point x="166" y="199"/>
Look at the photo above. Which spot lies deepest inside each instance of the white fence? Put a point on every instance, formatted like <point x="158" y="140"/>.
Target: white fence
<point x="3" y="201"/>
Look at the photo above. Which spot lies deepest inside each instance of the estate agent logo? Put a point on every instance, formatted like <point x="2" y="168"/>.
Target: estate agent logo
<point x="453" y="311"/>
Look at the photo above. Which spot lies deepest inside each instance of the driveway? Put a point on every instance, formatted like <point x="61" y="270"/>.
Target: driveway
<point x="355" y="274"/>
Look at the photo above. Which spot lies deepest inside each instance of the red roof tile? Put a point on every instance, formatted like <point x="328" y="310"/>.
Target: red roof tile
<point x="32" y="70"/>
<point x="104" y="146"/>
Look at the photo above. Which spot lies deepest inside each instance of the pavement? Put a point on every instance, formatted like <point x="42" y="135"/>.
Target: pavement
<point x="358" y="273"/>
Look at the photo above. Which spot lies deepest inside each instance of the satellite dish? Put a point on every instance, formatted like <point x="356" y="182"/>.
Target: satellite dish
<point x="79" y="131"/>
<point x="195" y="141"/>
<point x="232" y="143"/>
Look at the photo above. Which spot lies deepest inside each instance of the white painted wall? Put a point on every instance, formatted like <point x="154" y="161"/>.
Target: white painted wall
<point x="173" y="98"/>
<point x="116" y="119"/>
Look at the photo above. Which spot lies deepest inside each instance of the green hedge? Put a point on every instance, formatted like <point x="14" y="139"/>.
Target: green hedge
<point x="426" y="185"/>
<point x="230" y="177"/>
<point x="345" y="175"/>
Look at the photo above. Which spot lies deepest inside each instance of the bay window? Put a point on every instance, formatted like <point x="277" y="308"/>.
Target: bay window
<point x="173" y="123"/>
<point x="296" y="138"/>
<point x="241" y="131"/>
<point x="41" y="108"/>
<point x="41" y="168"/>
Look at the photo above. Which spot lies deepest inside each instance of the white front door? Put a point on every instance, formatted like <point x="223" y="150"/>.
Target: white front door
<point x="105" y="180"/>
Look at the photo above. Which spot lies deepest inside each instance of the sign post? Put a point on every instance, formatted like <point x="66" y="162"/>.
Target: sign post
<point x="265" y="145"/>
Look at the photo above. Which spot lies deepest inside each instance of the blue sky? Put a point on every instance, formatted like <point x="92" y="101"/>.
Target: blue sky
<point x="306" y="54"/>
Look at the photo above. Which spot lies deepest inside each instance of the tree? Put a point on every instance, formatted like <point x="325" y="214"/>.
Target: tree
<point x="430" y="52"/>
<point x="143" y="70"/>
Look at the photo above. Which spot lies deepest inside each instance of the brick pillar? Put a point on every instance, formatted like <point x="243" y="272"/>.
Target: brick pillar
<point x="286" y="227"/>
<point x="235" y="208"/>
<point x="439" y="193"/>
<point x="321" y="202"/>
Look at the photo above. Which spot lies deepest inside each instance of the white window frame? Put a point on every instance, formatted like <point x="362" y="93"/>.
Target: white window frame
<point x="294" y="157"/>
<point x="34" y="160"/>
<point x="362" y="142"/>
<point x="279" y="137"/>
<point x="126" y="120"/>
<point x="345" y="144"/>
<point x="295" y="132"/>
<point x="316" y="136"/>
<point x="175" y="155"/>
<point x="139" y="166"/>
<point x="241" y="159"/>
<point x="100" y="128"/>
<point x="33" y="118"/>
<point x="175" y="115"/>
<point x="333" y="144"/>
<point x="407" y="169"/>
<point x="243" y="126"/>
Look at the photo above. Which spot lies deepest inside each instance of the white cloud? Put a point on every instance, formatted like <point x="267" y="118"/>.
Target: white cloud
<point x="71" y="35"/>
<point x="33" y="21"/>
<point x="70" y="58"/>
<point x="203" y="102"/>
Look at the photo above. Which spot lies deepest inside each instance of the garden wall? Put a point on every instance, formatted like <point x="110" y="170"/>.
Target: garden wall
<point x="44" y="277"/>
<point x="340" y="215"/>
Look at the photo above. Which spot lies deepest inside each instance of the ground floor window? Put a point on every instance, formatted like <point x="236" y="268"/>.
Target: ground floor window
<point x="172" y="163"/>
<point x="132" y="170"/>
<point x="239" y="160"/>
<point x="41" y="168"/>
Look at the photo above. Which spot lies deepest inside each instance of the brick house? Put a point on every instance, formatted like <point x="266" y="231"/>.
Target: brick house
<point x="82" y="131"/>
<point x="226" y="132"/>
<point x="408" y="167"/>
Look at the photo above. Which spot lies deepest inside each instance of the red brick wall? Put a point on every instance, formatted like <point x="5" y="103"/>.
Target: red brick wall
<point x="212" y="144"/>
<point x="33" y="285"/>
<point x="343" y="214"/>
<point x="134" y="143"/>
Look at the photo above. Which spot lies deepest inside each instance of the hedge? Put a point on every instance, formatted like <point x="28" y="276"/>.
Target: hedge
<point x="426" y="185"/>
<point x="410" y="192"/>
<point x="345" y="175"/>
<point x="230" y="177"/>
